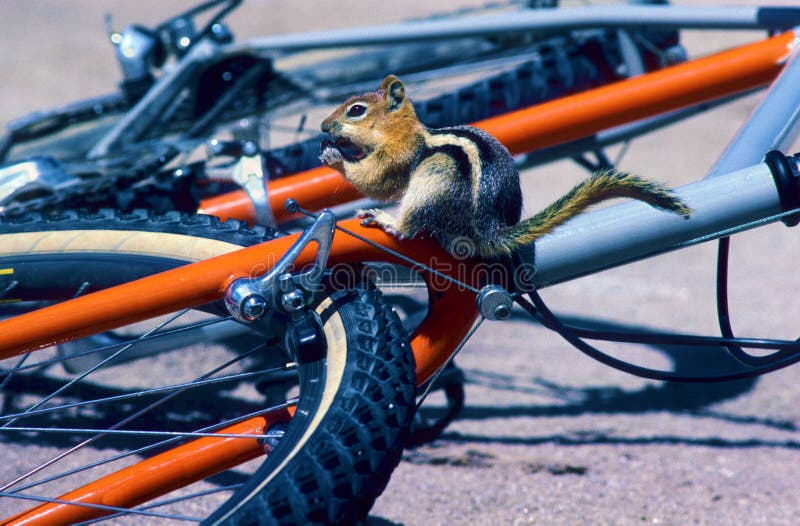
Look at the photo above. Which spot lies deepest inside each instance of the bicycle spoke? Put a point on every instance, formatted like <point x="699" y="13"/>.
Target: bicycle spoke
<point x="10" y="372"/>
<point x="288" y="403"/>
<point x="129" y="511"/>
<point x="96" y="367"/>
<point x="189" y="434"/>
<point x="138" y="340"/>
<point x="156" y="390"/>
<point x="126" y="420"/>
<point x="166" y="502"/>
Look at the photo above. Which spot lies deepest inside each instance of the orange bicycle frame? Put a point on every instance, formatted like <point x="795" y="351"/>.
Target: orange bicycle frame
<point x="452" y="312"/>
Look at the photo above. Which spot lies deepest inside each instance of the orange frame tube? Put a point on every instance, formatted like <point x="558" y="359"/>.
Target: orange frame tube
<point x="451" y="314"/>
<point x="558" y="121"/>
<point x="452" y="311"/>
<point x="155" y="476"/>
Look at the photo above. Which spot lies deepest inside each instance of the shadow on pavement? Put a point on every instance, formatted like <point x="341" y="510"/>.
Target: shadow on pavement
<point x="685" y="398"/>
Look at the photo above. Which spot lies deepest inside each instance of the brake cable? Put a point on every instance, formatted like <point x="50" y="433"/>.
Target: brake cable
<point x="787" y="352"/>
<point x="292" y="206"/>
<point x="735" y="350"/>
<point x="575" y="335"/>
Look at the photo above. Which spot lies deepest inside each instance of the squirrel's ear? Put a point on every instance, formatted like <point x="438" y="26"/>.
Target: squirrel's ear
<point x="393" y="91"/>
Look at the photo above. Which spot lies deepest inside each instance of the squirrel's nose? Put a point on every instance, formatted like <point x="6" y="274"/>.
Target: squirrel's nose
<point x="325" y="126"/>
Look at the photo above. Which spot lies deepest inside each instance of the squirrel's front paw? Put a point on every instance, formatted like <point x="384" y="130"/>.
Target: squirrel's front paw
<point x="332" y="157"/>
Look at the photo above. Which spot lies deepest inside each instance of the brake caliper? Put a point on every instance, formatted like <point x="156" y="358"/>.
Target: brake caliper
<point x="285" y="298"/>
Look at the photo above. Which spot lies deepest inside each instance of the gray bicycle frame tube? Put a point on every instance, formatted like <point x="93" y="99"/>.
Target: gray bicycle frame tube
<point x="773" y="125"/>
<point x="630" y="231"/>
<point x="545" y="20"/>
<point x="149" y="108"/>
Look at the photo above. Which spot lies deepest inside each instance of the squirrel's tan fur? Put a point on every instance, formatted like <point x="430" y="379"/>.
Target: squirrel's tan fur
<point x="456" y="184"/>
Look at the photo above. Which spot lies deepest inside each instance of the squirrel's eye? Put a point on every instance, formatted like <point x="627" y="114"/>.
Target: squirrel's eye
<point x="356" y="110"/>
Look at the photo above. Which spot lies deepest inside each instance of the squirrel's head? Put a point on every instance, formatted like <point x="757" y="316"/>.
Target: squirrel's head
<point x="376" y="129"/>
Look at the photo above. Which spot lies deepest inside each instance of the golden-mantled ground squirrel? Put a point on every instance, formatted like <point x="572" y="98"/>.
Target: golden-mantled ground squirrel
<point x="453" y="183"/>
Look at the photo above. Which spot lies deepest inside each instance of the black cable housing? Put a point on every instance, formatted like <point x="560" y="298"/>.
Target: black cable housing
<point x="734" y="345"/>
<point x="786" y="352"/>
<point x="575" y="336"/>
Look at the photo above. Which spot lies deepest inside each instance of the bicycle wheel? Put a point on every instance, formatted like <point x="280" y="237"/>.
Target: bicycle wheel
<point x="272" y="103"/>
<point x="326" y="465"/>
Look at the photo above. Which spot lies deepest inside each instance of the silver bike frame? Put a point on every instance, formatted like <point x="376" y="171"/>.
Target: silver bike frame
<point x="631" y="231"/>
<point x="544" y="21"/>
<point x="540" y="20"/>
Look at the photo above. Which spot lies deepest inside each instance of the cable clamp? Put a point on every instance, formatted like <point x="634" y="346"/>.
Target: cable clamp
<point x="786" y="173"/>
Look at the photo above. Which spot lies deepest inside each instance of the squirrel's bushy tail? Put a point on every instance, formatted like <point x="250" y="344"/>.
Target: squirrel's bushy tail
<point x="599" y="187"/>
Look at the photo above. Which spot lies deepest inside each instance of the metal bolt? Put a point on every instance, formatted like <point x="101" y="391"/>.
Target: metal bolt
<point x="502" y="312"/>
<point x="495" y="302"/>
<point x="250" y="148"/>
<point x="273" y="437"/>
<point x="253" y="307"/>
<point x="293" y="301"/>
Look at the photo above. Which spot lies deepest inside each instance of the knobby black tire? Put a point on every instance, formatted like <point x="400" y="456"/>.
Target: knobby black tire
<point x="54" y="255"/>
<point x="330" y="466"/>
<point x="334" y="473"/>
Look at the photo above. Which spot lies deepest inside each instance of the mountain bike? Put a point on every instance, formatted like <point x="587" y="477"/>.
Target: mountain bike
<point x="312" y="298"/>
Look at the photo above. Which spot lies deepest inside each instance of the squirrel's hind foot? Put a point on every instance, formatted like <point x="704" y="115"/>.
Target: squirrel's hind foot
<point x="382" y="219"/>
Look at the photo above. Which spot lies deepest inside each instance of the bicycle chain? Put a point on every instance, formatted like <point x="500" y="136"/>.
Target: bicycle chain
<point x="93" y="185"/>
